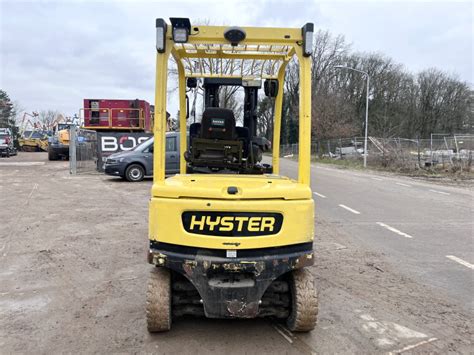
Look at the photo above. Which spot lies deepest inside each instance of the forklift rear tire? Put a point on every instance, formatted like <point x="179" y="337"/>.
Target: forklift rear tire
<point x="135" y="173"/>
<point x="158" y="301"/>
<point x="304" y="296"/>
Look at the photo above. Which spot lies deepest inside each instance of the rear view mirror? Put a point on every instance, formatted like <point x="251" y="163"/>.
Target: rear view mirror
<point x="271" y="87"/>
<point x="191" y="83"/>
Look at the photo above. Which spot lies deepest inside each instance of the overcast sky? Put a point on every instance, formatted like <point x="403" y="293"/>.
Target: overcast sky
<point x="54" y="54"/>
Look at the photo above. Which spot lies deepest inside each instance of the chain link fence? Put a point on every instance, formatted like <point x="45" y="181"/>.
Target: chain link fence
<point x="82" y="151"/>
<point x="446" y="151"/>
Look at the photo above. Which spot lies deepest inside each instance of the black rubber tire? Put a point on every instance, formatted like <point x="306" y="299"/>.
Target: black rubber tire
<point x="52" y="155"/>
<point x="304" y="302"/>
<point x="158" y="301"/>
<point x="134" y="173"/>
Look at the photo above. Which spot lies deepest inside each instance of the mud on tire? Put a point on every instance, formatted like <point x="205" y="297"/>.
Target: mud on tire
<point x="304" y="300"/>
<point x="158" y="301"/>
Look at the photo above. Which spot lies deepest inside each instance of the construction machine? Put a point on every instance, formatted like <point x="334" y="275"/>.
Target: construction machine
<point x="229" y="236"/>
<point x="112" y="115"/>
<point x="58" y="144"/>
<point x="120" y="125"/>
<point x="33" y="134"/>
<point x="33" y="141"/>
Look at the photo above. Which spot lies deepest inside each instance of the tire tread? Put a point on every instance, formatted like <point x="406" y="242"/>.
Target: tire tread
<point x="304" y="313"/>
<point x="158" y="300"/>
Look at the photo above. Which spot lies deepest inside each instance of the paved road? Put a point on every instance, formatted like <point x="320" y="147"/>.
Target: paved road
<point x="73" y="269"/>
<point x="425" y="230"/>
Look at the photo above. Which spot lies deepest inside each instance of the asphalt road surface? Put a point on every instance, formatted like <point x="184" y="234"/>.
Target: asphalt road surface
<point x="425" y="230"/>
<point x="394" y="268"/>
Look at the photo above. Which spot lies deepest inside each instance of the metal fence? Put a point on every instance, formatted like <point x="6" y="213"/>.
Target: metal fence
<point x="82" y="151"/>
<point x="441" y="150"/>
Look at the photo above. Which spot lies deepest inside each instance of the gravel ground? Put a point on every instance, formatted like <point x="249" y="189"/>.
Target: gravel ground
<point x="73" y="279"/>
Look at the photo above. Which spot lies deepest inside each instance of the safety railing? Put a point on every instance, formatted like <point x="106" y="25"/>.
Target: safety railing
<point x="113" y="118"/>
<point x="451" y="150"/>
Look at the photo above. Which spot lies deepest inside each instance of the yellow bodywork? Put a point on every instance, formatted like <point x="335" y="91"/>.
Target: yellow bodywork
<point x="206" y="54"/>
<point x="63" y="136"/>
<point x="33" y="144"/>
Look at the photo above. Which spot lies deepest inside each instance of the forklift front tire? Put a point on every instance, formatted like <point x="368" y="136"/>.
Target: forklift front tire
<point x="304" y="310"/>
<point x="158" y="301"/>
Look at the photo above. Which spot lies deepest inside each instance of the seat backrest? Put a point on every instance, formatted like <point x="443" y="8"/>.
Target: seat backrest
<point x="243" y="133"/>
<point x="218" y="123"/>
<point x="194" y="129"/>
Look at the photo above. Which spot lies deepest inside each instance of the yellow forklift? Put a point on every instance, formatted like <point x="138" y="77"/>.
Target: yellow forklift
<point x="229" y="237"/>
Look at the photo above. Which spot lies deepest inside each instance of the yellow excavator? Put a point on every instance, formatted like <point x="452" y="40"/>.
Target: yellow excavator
<point x="230" y="236"/>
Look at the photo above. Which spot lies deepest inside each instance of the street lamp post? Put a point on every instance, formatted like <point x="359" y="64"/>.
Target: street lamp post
<point x="366" y="107"/>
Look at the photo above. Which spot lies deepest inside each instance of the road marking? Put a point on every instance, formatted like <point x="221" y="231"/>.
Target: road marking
<point x="24" y="163"/>
<point x="399" y="183"/>
<point x="440" y="192"/>
<point x="339" y="246"/>
<point x="288" y="156"/>
<point x="394" y="230"/>
<point x="378" y="179"/>
<point x="284" y="329"/>
<point x="410" y="347"/>
<point x="387" y="334"/>
<point x="35" y="186"/>
<point x="460" y="261"/>
<point x="349" y="209"/>
<point x="277" y="328"/>
<point x="320" y="195"/>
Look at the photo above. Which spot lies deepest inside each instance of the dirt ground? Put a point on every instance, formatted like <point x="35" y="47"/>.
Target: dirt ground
<point x="73" y="272"/>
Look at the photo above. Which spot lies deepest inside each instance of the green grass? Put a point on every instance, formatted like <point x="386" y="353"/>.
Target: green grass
<point x="342" y="163"/>
<point x="435" y="173"/>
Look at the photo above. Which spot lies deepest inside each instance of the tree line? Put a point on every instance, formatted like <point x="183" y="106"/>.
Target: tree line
<point x="14" y="117"/>
<point x="7" y="114"/>
<point x="401" y="104"/>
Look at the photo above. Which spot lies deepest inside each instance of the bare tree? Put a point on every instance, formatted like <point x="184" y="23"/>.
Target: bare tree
<point x="265" y="114"/>
<point x="47" y="118"/>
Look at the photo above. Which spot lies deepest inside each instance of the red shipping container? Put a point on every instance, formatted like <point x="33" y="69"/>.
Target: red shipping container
<point x="117" y="115"/>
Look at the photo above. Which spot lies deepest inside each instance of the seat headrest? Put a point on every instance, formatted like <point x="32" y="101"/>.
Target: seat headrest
<point x="218" y="123"/>
<point x="217" y="112"/>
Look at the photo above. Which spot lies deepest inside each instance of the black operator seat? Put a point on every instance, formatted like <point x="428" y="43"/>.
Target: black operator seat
<point x="244" y="136"/>
<point x="216" y="143"/>
<point x="194" y="130"/>
<point x="218" y="123"/>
